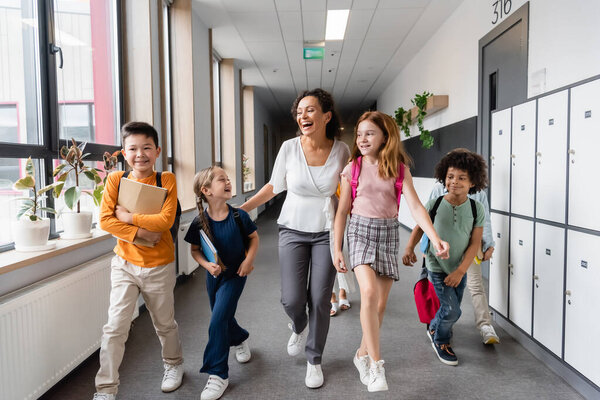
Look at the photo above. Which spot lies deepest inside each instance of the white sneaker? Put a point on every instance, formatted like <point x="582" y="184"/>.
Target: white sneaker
<point x="377" y="381"/>
<point x="362" y="365"/>
<point x="297" y="341"/>
<point x="104" y="396"/>
<point x="172" y="377"/>
<point x="242" y="352"/>
<point x="314" y="376"/>
<point x="214" y="389"/>
<point x="488" y="335"/>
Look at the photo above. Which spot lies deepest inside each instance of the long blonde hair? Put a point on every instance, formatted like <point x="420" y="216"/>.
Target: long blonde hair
<point x="392" y="152"/>
<point x="203" y="179"/>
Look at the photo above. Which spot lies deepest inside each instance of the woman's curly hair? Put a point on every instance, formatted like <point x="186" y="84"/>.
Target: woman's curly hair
<point x="327" y="104"/>
<point x="465" y="160"/>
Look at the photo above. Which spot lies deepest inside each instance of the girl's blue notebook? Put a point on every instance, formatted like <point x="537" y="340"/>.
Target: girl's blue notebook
<point x="210" y="253"/>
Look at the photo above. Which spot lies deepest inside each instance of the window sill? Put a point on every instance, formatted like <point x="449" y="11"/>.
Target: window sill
<point x="13" y="260"/>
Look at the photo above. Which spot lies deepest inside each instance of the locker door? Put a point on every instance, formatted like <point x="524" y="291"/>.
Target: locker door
<point x="500" y="161"/>
<point x="583" y="301"/>
<point x="523" y="159"/>
<point x="498" y="281"/>
<point x="583" y="156"/>
<point x="548" y="286"/>
<point x="552" y="157"/>
<point x="521" y="272"/>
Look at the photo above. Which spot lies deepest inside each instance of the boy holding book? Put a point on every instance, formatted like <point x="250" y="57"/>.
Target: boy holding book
<point x="139" y="269"/>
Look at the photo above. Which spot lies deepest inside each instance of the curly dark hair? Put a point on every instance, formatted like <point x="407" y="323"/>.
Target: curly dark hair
<point x="465" y="160"/>
<point x="327" y="104"/>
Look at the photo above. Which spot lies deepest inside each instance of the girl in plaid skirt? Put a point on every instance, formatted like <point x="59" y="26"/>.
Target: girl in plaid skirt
<point x="380" y="176"/>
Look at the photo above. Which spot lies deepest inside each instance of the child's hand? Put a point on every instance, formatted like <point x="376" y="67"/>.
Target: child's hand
<point x="123" y="215"/>
<point x="488" y="254"/>
<point x="245" y="268"/>
<point x="442" y="249"/>
<point x="214" y="269"/>
<point x="150" y="236"/>
<point x="453" y="279"/>
<point x="339" y="263"/>
<point x="409" y="258"/>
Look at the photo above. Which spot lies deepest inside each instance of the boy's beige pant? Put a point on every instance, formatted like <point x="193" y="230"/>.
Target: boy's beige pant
<point x="478" y="297"/>
<point x="156" y="285"/>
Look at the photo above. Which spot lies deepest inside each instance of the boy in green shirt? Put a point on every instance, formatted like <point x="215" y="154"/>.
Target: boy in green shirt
<point x="462" y="173"/>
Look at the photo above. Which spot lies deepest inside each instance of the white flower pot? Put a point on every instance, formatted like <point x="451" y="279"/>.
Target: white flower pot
<point x="76" y="225"/>
<point x="31" y="235"/>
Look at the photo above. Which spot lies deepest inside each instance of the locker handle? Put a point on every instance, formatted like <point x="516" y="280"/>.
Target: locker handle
<point x="567" y="292"/>
<point x="513" y="156"/>
<point x="538" y="154"/>
<point x="571" y="151"/>
<point x="510" y="266"/>
<point x="492" y="158"/>
<point x="536" y="277"/>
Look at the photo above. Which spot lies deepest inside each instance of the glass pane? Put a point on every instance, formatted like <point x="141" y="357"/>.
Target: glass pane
<point x="87" y="82"/>
<point x="11" y="170"/>
<point x="19" y="72"/>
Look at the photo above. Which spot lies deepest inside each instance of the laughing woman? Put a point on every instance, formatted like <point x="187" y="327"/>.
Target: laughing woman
<point x="308" y="167"/>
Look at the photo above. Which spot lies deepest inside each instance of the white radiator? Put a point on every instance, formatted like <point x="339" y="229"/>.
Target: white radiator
<point x="49" y="328"/>
<point x="187" y="264"/>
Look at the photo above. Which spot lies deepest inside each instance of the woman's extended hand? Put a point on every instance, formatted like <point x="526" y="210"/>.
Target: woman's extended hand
<point x="442" y="249"/>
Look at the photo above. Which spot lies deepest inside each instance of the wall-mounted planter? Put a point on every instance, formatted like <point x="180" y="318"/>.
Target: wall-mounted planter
<point x="435" y="103"/>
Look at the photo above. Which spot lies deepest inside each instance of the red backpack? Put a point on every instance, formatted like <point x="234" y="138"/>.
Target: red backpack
<point x="425" y="298"/>
<point x="356" y="164"/>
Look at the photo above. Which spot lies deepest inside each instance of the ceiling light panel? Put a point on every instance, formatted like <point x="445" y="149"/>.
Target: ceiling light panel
<point x="336" y="24"/>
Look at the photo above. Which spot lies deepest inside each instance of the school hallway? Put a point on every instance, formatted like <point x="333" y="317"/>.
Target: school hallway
<point x="503" y="371"/>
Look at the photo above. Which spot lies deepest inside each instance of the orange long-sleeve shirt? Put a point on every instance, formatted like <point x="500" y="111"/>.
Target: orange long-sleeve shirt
<point x="164" y="251"/>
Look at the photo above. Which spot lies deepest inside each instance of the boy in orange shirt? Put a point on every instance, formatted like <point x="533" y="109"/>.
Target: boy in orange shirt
<point x="139" y="269"/>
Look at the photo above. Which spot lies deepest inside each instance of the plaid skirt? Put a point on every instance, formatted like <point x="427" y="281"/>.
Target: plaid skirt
<point x="374" y="242"/>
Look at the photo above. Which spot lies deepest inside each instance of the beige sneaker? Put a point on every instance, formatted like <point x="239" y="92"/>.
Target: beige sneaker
<point x="488" y="335"/>
<point x="377" y="380"/>
<point x="314" y="376"/>
<point x="242" y="352"/>
<point x="297" y="341"/>
<point x="214" y="389"/>
<point x="362" y="365"/>
<point x="172" y="377"/>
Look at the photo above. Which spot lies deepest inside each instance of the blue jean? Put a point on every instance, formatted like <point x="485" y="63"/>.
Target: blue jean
<point x="449" y="311"/>
<point x="223" y="331"/>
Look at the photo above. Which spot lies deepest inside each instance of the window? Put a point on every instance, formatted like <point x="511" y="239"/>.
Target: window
<point x="216" y="87"/>
<point x="61" y="83"/>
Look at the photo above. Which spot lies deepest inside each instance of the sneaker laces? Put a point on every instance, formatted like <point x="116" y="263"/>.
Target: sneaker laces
<point x="170" y="372"/>
<point x="101" y="396"/>
<point x="297" y="337"/>
<point x="241" y="350"/>
<point x="376" y="370"/>
<point x="446" y="348"/>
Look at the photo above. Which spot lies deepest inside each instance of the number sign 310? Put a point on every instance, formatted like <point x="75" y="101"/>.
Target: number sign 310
<point x="501" y="9"/>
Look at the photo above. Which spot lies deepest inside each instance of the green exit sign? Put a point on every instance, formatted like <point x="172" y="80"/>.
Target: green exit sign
<point x="314" y="53"/>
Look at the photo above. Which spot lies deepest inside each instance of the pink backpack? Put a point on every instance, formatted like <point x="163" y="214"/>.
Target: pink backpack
<point x="356" y="164"/>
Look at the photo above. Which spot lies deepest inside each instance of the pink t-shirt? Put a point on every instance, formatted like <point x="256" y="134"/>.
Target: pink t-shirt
<point x="375" y="196"/>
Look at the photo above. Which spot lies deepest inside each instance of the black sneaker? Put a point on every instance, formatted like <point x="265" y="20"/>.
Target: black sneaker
<point x="445" y="353"/>
<point x="430" y="334"/>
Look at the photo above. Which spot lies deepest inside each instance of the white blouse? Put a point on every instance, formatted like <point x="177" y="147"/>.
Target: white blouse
<point x="310" y="202"/>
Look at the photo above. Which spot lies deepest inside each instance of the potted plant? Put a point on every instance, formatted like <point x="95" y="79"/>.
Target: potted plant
<point x="404" y="118"/>
<point x="77" y="224"/>
<point x="30" y="230"/>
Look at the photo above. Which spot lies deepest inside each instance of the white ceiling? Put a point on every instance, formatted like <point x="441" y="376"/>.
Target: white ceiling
<point x="266" y="37"/>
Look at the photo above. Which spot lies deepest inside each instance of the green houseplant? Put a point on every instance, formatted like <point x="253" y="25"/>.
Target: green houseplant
<point x="404" y="118"/>
<point x="77" y="224"/>
<point x="30" y="231"/>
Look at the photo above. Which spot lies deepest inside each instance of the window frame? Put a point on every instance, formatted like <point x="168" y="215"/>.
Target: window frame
<point x="50" y="144"/>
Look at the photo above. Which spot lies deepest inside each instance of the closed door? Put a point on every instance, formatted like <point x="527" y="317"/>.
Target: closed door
<point x="583" y="304"/>
<point x="500" y="161"/>
<point x="551" y="157"/>
<point x="523" y="158"/>
<point x="498" y="276"/>
<point x="521" y="273"/>
<point x="548" y="285"/>
<point x="584" y="162"/>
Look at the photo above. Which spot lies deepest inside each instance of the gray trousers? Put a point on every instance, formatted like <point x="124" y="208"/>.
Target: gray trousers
<point x="307" y="277"/>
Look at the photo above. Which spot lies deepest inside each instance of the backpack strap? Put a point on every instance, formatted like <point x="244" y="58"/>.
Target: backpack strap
<point x="433" y="210"/>
<point x="399" y="181"/>
<point x="473" y="210"/>
<point x="158" y="180"/>
<point x="125" y="175"/>
<point x="238" y="221"/>
<point x="356" y="164"/>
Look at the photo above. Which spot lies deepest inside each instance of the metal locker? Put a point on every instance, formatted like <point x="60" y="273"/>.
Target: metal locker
<point x="583" y="301"/>
<point x="498" y="277"/>
<point x="551" y="157"/>
<point x="521" y="273"/>
<point x="548" y="286"/>
<point x="500" y="161"/>
<point x="523" y="159"/>
<point x="584" y="162"/>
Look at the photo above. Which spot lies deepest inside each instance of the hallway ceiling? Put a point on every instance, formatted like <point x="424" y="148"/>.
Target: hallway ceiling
<point x="266" y="37"/>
